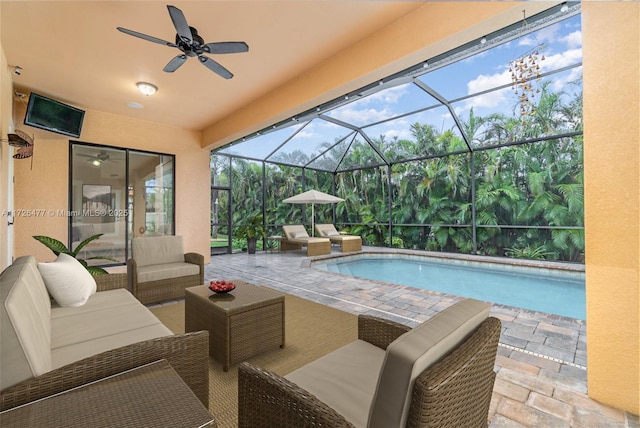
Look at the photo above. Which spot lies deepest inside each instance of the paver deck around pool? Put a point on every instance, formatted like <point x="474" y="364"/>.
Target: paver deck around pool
<point x="541" y="364"/>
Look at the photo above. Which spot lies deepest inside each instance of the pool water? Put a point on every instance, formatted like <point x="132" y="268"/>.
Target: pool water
<point x="551" y="291"/>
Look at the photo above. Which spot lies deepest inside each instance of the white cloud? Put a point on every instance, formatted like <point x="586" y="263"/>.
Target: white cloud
<point x="367" y="115"/>
<point x="573" y="40"/>
<point x="402" y="134"/>
<point x="307" y="133"/>
<point x="387" y="96"/>
<point x="372" y="108"/>
<point x="563" y="59"/>
<point x="484" y="82"/>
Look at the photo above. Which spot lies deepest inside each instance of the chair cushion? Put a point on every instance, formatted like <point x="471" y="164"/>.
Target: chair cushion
<point x="167" y="271"/>
<point x="345" y="379"/>
<point x="157" y="250"/>
<point x="413" y="352"/>
<point x="110" y="319"/>
<point x="294" y="230"/>
<point x="331" y="233"/>
<point x="67" y="280"/>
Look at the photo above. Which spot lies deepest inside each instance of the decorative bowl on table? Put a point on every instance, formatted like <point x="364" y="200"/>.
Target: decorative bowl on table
<point x="221" y="286"/>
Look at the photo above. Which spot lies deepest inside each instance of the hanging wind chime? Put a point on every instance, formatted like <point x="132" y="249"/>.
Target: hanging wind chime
<point x="525" y="75"/>
<point x="24" y="143"/>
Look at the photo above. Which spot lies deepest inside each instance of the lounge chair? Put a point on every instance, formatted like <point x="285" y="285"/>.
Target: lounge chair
<point x="439" y="374"/>
<point x="347" y="242"/>
<point x="296" y="237"/>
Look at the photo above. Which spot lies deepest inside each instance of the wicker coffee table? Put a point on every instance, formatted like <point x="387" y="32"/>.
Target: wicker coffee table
<point x="153" y="395"/>
<point x="242" y="323"/>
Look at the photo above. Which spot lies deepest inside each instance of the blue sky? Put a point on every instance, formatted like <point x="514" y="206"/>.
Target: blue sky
<point x="560" y="43"/>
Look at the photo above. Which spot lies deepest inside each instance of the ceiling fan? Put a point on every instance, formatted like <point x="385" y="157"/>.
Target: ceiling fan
<point x="191" y="44"/>
<point x="98" y="158"/>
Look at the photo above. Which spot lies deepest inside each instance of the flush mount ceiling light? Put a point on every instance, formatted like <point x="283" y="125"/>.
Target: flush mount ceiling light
<point x="146" y="88"/>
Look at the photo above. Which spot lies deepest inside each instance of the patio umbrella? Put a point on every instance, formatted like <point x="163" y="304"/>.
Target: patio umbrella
<point x="313" y="197"/>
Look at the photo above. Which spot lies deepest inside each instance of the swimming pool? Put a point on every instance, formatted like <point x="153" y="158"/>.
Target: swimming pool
<point x="553" y="291"/>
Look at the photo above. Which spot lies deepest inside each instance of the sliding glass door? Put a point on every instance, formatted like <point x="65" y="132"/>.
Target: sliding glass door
<point x="119" y="194"/>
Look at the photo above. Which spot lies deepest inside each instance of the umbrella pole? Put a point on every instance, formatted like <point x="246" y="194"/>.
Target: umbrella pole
<point x="313" y="219"/>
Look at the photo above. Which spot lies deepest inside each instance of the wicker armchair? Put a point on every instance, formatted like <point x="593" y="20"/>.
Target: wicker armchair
<point x="162" y="253"/>
<point x="188" y="354"/>
<point x="453" y="392"/>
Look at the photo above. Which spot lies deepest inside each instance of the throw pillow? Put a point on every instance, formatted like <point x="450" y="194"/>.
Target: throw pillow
<point x="68" y="282"/>
<point x="295" y="235"/>
<point x="331" y="233"/>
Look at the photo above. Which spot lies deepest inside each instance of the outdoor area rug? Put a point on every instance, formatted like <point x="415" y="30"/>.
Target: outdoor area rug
<point x="311" y="330"/>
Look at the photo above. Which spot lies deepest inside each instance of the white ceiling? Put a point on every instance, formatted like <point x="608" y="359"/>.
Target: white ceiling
<point x="71" y="50"/>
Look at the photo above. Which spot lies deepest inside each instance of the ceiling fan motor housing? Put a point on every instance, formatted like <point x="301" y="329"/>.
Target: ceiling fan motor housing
<point x="193" y="48"/>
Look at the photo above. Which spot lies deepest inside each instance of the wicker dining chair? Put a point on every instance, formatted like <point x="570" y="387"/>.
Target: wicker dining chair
<point x="453" y="392"/>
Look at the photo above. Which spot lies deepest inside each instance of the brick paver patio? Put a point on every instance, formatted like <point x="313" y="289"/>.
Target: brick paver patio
<point x="541" y="364"/>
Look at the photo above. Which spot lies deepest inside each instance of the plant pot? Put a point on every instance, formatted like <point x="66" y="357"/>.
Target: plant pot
<point x="251" y="245"/>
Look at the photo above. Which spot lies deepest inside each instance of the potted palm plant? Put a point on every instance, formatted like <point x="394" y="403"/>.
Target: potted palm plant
<point x="251" y="230"/>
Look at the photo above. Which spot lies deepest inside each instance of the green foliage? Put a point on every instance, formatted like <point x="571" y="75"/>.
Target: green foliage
<point x="528" y="252"/>
<point x="58" y="247"/>
<point x="252" y="228"/>
<point x="529" y="197"/>
<point x="396" y="242"/>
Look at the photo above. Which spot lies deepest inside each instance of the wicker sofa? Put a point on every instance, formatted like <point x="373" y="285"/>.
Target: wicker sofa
<point x="439" y="374"/>
<point x="46" y="348"/>
<point x="159" y="269"/>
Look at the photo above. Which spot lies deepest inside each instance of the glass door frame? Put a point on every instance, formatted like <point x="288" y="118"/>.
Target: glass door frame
<point x="228" y="224"/>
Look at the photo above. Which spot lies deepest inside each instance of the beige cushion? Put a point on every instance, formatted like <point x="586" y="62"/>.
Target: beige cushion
<point x="415" y="351"/>
<point x="157" y="250"/>
<point x="167" y="271"/>
<point x="67" y="280"/>
<point x="295" y="235"/>
<point x="294" y="229"/>
<point x="108" y="320"/>
<point x="25" y="328"/>
<point x="331" y="233"/>
<point x="345" y="379"/>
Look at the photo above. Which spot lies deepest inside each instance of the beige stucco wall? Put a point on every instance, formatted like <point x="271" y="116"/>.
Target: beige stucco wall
<point x="611" y="44"/>
<point x="45" y="187"/>
<point x="5" y="116"/>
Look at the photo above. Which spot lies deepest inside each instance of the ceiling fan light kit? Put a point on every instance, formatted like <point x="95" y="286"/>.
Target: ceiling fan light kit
<point x="189" y="42"/>
<point x="147" y="88"/>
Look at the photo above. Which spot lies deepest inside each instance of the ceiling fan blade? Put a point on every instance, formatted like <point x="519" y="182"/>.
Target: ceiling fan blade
<point x="175" y="63"/>
<point x="225" y="47"/>
<point x="145" y="37"/>
<point x="215" y="67"/>
<point x="180" y="22"/>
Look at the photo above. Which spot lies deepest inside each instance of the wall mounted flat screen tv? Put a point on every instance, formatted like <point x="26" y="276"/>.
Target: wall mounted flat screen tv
<point x="54" y="116"/>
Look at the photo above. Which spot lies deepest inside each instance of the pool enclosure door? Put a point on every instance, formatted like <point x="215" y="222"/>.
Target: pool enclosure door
<point x="221" y="242"/>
